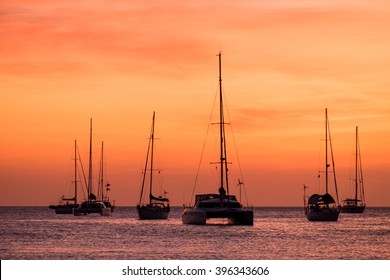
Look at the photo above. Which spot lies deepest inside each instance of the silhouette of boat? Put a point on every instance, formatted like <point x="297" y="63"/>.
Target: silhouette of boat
<point x="356" y="204"/>
<point x="67" y="205"/>
<point x="322" y="207"/>
<point x="92" y="205"/>
<point x="222" y="204"/>
<point x="104" y="187"/>
<point x="158" y="207"/>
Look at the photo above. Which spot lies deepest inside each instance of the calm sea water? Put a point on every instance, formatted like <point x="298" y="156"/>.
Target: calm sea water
<point x="278" y="233"/>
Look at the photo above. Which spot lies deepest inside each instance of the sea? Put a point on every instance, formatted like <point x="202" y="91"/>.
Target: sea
<point x="279" y="233"/>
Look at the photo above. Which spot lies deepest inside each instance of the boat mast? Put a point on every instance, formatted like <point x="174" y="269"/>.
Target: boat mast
<point x="151" y="160"/>
<point x="223" y="160"/>
<point x="75" y="171"/>
<point x="101" y="176"/>
<point x="356" y="167"/>
<point x="90" y="163"/>
<point x="329" y="138"/>
<point x="145" y="168"/>
<point x="326" y="149"/>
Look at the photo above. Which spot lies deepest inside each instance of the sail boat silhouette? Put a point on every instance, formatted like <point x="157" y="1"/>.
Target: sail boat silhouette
<point x="158" y="207"/>
<point x="67" y="205"/>
<point x="323" y="207"/>
<point x="356" y="204"/>
<point x="222" y="204"/>
<point x="92" y="204"/>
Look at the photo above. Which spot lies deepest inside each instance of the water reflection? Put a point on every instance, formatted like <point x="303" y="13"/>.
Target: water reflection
<point x="278" y="233"/>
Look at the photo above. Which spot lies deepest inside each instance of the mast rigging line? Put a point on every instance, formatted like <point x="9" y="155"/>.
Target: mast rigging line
<point x="236" y="150"/>
<point x="363" y="197"/>
<point x="82" y="169"/>
<point x="333" y="165"/>
<point x="146" y="164"/>
<point x="224" y="140"/>
<point x="204" y="144"/>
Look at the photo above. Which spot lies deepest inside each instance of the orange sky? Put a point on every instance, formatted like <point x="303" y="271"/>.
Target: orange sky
<point x="117" y="61"/>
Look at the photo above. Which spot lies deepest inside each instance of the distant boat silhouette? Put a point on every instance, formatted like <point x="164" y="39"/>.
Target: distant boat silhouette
<point x="92" y="205"/>
<point x="323" y="207"/>
<point x="222" y="204"/>
<point x="67" y="205"/>
<point x="356" y="204"/>
<point x="158" y="207"/>
<point x="104" y="187"/>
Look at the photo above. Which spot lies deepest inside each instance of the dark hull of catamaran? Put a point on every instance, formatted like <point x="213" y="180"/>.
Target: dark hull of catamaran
<point x="198" y="216"/>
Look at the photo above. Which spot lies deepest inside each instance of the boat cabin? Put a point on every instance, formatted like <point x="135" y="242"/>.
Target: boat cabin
<point x="216" y="201"/>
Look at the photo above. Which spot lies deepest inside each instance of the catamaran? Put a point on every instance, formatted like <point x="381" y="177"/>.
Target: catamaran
<point x="221" y="204"/>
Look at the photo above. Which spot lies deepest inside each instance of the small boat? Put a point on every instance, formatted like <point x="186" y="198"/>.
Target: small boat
<point x="322" y="207"/>
<point x="92" y="205"/>
<point x="104" y="187"/>
<point x="221" y="204"/>
<point x="356" y="204"/>
<point x="158" y="207"/>
<point x="67" y="205"/>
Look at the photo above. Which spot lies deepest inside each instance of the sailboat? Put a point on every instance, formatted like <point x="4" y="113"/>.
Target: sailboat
<point x="356" y="204"/>
<point x="67" y="205"/>
<point x="158" y="207"/>
<point x="221" y="204"/>
<point x="92" y="205"/>
<point x="103" y="186"/>
<point x="322" y="207"/>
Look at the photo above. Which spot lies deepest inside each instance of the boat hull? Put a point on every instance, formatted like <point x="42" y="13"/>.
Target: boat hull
<point x="353" y="209"/>
<point x="152" y="213"/>
<point x="106" y="212"/>
<point x="93" y="207"/>
<point x="235" y="216"/>
<point x="194" y="217"/>
<point x="323" y="216"/>
<point x="64" y="209"/>
<point x="109" y="205"/>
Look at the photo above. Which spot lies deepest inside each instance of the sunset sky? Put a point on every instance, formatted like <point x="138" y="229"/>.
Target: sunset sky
<point x="284" y="62"/>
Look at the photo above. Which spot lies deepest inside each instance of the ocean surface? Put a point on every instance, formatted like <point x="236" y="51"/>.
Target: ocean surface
<point x="37" y="233"/>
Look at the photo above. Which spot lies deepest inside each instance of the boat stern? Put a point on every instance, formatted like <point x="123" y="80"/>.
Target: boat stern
<point x="193" y="216"/>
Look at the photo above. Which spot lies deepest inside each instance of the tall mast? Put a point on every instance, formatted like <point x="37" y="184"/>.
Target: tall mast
<point x="75" y="171"/>
<point x="221" y="119"/>
<point x="90" y="162"/>
<point x="146" y="165"/>
<point x="356" y="167"/>
<point x="329" y="139"/>
<point x="326" y="149"/>
<point x="223" y="160"/>
<point x="101" y="176"/>
<point x="151" y="160"/>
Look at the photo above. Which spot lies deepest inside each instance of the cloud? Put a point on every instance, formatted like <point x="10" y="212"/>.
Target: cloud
<point x="175" y="37"/>
<point x="121" y="37"/>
